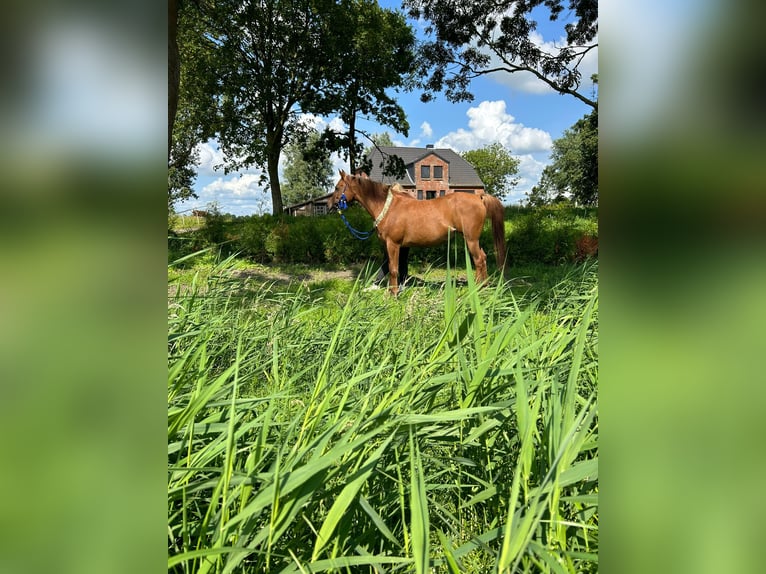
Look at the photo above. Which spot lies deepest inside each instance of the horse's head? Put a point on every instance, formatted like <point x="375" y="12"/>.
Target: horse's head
<point x="345" y="191"/>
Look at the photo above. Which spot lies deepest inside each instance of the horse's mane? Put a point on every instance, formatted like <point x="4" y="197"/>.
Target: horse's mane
<point x="376" y="188"/>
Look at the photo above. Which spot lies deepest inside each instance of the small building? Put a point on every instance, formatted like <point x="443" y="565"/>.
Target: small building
<point x="315" y="206"/>
<point x="431" y="172"/>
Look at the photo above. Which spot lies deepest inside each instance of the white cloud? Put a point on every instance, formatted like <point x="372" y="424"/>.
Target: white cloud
<point x="312" y="120"/>
<point x="237" y="194"/>
<point x="489" y="123"/>
<point x="247" y="185"/>
<point x="338" y="163"/>
<point x="319" y="123"/>
<point x="425" y="130"/>
<point x="210" y="156"/>
<point x="336" y="124"/>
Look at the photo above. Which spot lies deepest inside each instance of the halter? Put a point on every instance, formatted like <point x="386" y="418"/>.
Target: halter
<point x="363" y="235"/>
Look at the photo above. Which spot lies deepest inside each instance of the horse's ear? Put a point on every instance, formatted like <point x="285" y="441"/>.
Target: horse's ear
<point x="363" y="175"/>
<point x="342" y="174"/>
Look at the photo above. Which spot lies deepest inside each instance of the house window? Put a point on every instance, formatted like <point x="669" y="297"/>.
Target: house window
<point x="465" y="191"/>
<point x="320" y="209"/>
<point x="441" y="193"/>
<point x="420" y="194"/>
<point x="425" y="172"/>
<point x="430" y="194"/>
<point x="437" y="172"/>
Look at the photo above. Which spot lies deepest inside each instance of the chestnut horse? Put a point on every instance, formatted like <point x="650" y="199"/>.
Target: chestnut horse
<point x="403" y="221"/>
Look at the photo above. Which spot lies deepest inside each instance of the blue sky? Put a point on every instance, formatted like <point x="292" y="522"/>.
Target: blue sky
<point x="514" y="109"/>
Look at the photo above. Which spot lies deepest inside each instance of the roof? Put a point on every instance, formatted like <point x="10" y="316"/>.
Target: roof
<point x="461" y="173"/>
<point x="320" y="199"/>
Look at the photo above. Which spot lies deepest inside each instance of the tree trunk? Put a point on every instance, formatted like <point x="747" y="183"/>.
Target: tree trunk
<point x="276" y="189"/>
<point x="174" y="69"/>
<point x="352" y="142"/>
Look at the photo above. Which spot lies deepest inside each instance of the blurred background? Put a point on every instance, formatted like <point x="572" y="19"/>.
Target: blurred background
<point x="683" y="224"/>
<point x="83" y="285"/>
<point x="82" y="279"/>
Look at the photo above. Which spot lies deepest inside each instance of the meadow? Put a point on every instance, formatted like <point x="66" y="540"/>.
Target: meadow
<point x="316" y="427"/>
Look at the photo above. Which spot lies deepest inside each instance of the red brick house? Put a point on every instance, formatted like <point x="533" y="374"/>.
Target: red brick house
<point x="430" y="172"/>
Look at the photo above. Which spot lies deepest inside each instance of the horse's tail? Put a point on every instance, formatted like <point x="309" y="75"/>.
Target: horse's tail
<point x="495" y="213"/>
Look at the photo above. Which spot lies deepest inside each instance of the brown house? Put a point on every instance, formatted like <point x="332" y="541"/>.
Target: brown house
<point x="430" y="173"/>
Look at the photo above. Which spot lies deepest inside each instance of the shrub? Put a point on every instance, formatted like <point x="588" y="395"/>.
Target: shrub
<point x="213" y="232"/>
<point x="182" y="245"/>
<point x="252" y="239"/>
<point x="549" y="235"/>
<point x="276" y="240"/>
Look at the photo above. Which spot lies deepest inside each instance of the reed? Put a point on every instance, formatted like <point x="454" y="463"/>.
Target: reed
<point x="453" y="431"/>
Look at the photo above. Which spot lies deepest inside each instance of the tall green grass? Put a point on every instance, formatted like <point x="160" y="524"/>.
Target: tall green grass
<point x="449" y="431"/>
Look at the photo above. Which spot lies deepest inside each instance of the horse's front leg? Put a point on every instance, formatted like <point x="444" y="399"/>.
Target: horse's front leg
<point x="393" y="267"/>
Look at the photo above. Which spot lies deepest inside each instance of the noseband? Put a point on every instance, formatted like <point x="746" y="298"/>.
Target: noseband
<point x="342" y="203"/>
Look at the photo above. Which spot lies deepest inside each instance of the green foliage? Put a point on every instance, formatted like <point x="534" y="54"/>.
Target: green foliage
<point x="546" y="236"/>
<point x="574" y="165"/>
<point x="381" y="139"/>
<point x="252" y="237"/>
<point x="197" y="110"/>
<point x="495" y="167"/>
<point x="247" y="70"/>
<point x="308" y="171"/>
<point x="275" y="57"/>
<point x="466" y="33"/>
<point x="213" y="232"/>
<point x="549" y="235"/>
<point x="545" y="193"/>
<point x="285" y="239"/>
<point x="450" y="431"/>
<point x="317" y="56"/>
<point x="378" y="56"/>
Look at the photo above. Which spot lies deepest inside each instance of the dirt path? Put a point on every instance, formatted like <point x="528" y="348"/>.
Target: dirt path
<point x="296" y="273"/>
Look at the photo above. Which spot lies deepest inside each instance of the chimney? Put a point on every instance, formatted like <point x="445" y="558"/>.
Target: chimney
<point x="430" y="146"/>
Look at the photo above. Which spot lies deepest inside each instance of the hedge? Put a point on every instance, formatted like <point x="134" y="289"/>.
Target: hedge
<point x="548" y="235"/>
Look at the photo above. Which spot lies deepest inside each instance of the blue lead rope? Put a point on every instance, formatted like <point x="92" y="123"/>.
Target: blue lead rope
<point x="361" y="235"/>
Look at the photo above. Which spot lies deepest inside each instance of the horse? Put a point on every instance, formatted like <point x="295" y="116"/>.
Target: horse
<point x="403" y="221"/>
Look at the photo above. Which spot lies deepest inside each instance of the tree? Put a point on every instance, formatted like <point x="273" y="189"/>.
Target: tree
<point x="380" y="55"/>
<point x="574" y="167"/>
<point x="192" y="94"/>
<point x="307" y="175"/>
<point x="545" y="192"/>
<point x="495" y="167"/>
<point x="379" y="140"/>
<point x="263" y="62"/>
<point x="469" y="32"/>
<point x="278" y="57"/>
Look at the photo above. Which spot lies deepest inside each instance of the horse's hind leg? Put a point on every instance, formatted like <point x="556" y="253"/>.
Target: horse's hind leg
<point x="479" y="260"/>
